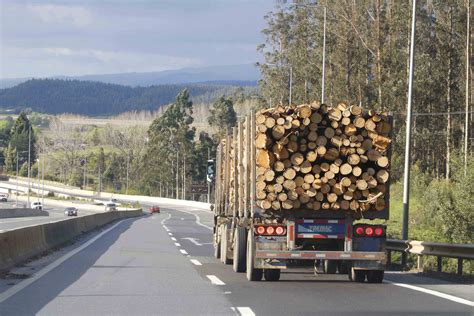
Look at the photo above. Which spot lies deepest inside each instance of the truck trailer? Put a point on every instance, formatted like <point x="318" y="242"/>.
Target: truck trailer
<point x="304" y="183"/>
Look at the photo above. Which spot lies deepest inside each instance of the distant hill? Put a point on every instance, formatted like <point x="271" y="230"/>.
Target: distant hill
<point x="217" y="74"/>
<point x="54" y="96"/>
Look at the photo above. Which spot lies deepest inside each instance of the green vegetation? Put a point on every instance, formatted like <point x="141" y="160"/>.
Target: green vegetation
<point x="56" y="96"/>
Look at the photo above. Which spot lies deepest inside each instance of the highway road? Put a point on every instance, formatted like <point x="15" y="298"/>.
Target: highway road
<point x="56" y="213"/>
<point x="163" y="264"/>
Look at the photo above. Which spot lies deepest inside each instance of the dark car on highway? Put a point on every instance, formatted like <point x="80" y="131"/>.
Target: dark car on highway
<point x="154" y="209"/>
<point x="70" y="211"/>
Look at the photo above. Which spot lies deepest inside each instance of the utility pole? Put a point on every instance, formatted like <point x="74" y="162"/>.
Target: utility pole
<point x="128" y="162"/>
<point x="208" y="182"/>
<point x="42" y="174"/>
<point x="291" y="85"/>
<point x="17" y="177"/>
<point x="177" y="175"/>
<point x="466" y="125"/>
<point x="100" y="179"/>
<point x="323" y="79"/>
<point x="184" y="178"/>
<point x="29" y="159"/>
<point x="406" y="179"/>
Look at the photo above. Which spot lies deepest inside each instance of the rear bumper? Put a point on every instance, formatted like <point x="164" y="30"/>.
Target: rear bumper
<point x="314" y="255"/>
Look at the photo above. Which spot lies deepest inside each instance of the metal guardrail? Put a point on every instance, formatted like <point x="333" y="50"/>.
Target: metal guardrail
<point x="423" y="248"/>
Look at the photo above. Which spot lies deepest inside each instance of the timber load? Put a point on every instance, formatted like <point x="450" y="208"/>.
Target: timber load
<point x="310" y="157"/>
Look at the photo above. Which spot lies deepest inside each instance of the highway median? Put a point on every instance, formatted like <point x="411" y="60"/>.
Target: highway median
<point x="19" y="245"/>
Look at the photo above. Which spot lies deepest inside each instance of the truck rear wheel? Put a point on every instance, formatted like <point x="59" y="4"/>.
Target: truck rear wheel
<point x="272" y="274"/>
<point x="357" y="275"/>
<point x="240" y="249"/>
<point x="375" y="276"/>
<point x="217" y="250"/>
<point x="330" y="266"/>
<point x="252" y="273"/>
<point x="224" y="248"/>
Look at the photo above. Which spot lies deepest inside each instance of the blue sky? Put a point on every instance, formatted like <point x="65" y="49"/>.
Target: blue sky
<point x="71" y="37"/>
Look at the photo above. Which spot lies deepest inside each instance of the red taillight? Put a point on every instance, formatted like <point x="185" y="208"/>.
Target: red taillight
<point x="378" y="231"/>
<point x="280" y="230"/>
<point x="260" y="230"/>
<point x="270" y="230"/>
<point x="369" y="231"/>
<point x="359" y="231"/>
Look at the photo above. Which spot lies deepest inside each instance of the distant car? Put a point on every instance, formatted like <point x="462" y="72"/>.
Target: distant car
<point x="110" y="206"/>
<point x="37" y="205"/>
<point x="154" y="209"/>
<point x="3" y="197"/>
<point x="70" y="211"/>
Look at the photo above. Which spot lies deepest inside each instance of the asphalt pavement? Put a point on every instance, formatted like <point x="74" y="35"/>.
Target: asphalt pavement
<point x="163" y="264"/>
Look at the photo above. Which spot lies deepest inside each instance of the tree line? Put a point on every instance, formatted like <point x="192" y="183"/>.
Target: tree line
<point x="55" y="96"/>
<point x="367" y="46"/>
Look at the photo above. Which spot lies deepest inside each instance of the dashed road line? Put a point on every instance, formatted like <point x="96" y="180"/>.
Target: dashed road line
<point x="184" y="252"/>
<point x="244" y="311"/>
<point x="170" y="234"/>
<point x="215" y="280"/>
<point x="173" y="239"/>
<point x="196" y="262"/>
<point x="177" y="244"/>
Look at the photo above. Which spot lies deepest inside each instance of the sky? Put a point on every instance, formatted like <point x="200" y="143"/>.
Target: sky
<point x="42" y="38"/>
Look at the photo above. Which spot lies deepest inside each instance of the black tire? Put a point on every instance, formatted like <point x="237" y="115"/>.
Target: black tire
<point x="240" y="250"/>
<point x="357" y="275"/>
<point x="343" y="267"/>
<point x="375" y="276"/>
<point x="252" y="273"/>
<point x="272" y="274"/>
<point x="224" y="248"/>
<point x="330" y="266"/>
<point x="217" y="250"/>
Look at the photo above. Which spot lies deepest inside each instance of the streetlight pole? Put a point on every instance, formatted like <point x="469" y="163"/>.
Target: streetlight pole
<point x="17" y="177"/>
<point x="291" y="84"/>
<point x="29" y="159"/>
<point x="177" y="175"/>
<point x="128" y="163"/>
<point x="323" y="79"/>
<point x="42" y="175"/>
<point x="208" y="182"/>
<point x="406" y="179"/>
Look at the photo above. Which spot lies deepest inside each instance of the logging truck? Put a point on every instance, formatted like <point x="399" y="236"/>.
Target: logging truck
<point x="304" y="183"/>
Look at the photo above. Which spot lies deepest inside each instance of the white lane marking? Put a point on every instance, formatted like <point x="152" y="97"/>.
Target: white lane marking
<point x="227" y="292"/>
<point x="195" y="262"/>
<point x="173" y="239"/>
<point x="184" y="252"/>
<point x="182" y="219"/>
<point x="177" y="244"/>
<point x="193" y="240"/>
<point x="198" y="219"/>
<point x="165" y="219"/>
<point x="38" y="275"/>
<point x="435" y="293"/>
<point x="170" y="234"/>
<point x="245" y="311"/>
<point x="215" y="280"/>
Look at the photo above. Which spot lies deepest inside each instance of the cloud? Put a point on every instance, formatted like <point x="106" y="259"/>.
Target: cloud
<point x="53" y="13"/>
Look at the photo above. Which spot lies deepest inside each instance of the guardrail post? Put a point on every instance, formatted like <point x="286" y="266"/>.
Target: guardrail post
<point x="440" y="264"/>
<point x="460" y="266"/>
<point x="389" y="257"/>
<point x="420" y="263"/>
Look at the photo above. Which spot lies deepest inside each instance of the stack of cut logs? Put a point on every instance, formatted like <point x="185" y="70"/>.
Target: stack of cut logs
<point x="317" y="157"/>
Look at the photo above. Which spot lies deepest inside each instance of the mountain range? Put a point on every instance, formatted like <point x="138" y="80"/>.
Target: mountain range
<point x="245" y="74"/>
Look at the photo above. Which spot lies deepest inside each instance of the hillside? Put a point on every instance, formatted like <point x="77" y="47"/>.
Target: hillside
<point x="56" y="96"/>
<point x="241" y="74"/>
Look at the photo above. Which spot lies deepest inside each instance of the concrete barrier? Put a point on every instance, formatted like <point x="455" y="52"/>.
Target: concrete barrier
<point x="21" y="212"/>
<point x="24" y="243"/>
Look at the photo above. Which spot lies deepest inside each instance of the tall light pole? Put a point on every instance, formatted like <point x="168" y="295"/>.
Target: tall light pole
<point x="42" y="174"/>
<point x="323" y="79"/>
<point x="466" y="123"/>
<point x="291" y="85"/>
<point x="17" y="177"/>
<point x="128" y="167"/>
<point x="406" y="179"/>
<point x="29" y="159"/>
